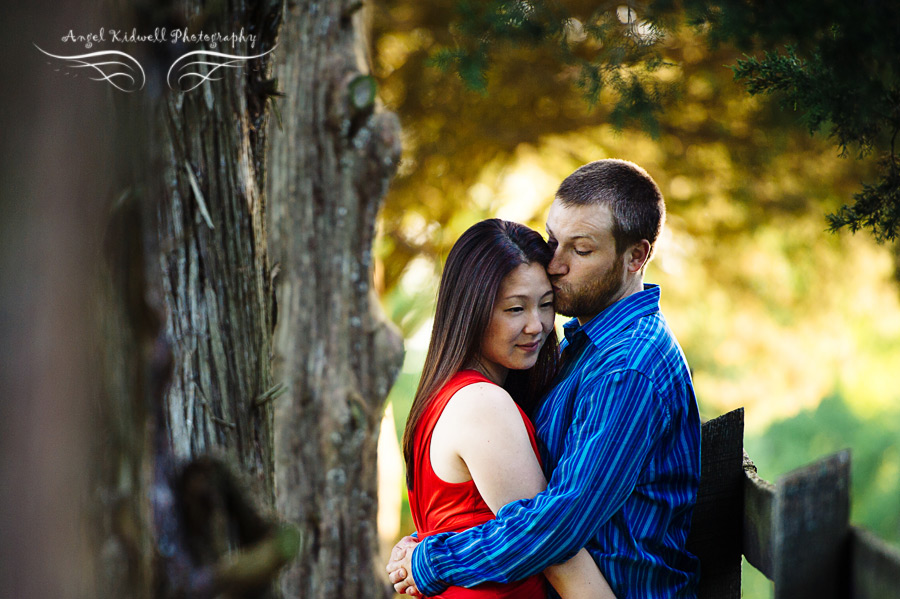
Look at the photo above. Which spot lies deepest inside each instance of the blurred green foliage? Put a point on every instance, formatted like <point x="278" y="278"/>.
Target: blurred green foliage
<point x="608" y="47"/>
<point x="834" y="63"/>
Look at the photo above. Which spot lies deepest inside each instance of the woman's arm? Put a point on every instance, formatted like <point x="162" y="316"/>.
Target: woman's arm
<point x="579" y="577"/>
<point x="481" y="437"/>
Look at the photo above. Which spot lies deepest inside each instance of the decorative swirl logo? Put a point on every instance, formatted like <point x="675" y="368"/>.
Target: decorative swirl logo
<point x="110" y="71"/>
<point x="232" y="62"/>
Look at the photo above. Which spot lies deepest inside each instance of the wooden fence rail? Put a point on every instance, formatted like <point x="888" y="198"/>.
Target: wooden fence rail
<point x="797" y="532"/>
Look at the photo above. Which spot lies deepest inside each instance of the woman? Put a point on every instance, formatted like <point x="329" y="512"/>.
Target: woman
<point x="469" y="447"/>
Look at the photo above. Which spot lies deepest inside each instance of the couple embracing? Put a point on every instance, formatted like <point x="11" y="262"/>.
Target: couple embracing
<point x="527" y="466"/>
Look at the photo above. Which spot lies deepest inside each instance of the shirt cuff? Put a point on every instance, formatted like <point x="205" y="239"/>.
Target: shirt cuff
<point x="425" y="576"/>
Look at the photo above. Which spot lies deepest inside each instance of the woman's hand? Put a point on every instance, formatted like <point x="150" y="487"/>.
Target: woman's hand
<point x="400" y="567"/>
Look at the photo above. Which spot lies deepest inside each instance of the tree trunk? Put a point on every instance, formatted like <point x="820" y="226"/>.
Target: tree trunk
<point x="189" y="325"/>
<point x="214" y="264"/>
<point x="185" y="317"/>
<point x="331" y="159"/>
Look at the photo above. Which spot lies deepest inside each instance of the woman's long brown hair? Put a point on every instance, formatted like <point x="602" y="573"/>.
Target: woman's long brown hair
<point x="475" y="267"/>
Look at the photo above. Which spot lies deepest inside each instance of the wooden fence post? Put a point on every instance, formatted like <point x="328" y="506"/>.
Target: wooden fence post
<point x="716" y="527"/>
<point x="874" y="567"/>
<point x="797" y="533"/>
<point x="810" y="527"/>
<point x="759" y="500"/>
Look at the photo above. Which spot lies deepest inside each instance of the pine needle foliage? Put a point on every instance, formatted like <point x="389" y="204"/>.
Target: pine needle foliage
<point x="837" y="65"/>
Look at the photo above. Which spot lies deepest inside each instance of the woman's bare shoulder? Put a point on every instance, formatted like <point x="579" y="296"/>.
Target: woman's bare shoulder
<point x="482" y="410"/>
<point x="485" y="399"/>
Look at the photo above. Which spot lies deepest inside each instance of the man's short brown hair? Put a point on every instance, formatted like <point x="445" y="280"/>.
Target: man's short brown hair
<point x="630" y="193"/>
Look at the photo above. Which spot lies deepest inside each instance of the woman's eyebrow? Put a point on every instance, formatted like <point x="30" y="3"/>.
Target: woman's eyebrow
<point x="523" y="296"/>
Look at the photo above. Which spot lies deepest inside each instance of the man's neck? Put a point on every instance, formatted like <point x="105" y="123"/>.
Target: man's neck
<point x="628" y="289"/>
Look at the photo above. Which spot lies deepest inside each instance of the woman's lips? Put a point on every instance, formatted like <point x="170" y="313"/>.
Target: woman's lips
<point x="530" y="347"/>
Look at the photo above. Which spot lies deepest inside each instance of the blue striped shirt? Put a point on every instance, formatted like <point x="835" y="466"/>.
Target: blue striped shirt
<point x="620" y="434"/>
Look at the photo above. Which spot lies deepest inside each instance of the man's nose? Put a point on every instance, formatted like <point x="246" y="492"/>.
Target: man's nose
<point x="557" y="266"/>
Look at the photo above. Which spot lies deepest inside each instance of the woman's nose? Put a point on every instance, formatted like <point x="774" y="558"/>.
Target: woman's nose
<point x="533" y="326"/>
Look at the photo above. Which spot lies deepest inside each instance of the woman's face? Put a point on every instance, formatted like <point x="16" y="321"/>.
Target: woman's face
<point x="521" y="319"/>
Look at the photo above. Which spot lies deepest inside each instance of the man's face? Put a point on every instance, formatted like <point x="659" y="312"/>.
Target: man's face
<point x="586" y="272"/>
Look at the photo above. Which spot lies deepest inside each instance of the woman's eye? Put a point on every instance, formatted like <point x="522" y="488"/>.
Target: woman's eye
<point x="582" y="252"/>
<point x="547" y="305"/>
<point x="514" y="309"/>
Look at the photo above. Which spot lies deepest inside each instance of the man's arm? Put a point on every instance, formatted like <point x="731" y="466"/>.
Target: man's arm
<point x="615" y="426"/>
<point x="483" y="427"/>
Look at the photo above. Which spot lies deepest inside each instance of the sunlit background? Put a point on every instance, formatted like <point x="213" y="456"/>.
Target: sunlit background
<point x="799" y="326"/>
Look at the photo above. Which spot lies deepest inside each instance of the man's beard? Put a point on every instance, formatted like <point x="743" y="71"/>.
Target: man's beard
<point x="593" y="297"/>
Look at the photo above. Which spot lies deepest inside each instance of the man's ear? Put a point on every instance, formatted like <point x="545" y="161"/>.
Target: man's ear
<point x="637" y="256"/>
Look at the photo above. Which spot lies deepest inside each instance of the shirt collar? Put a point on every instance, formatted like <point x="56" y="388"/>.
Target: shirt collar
<point x="615" y="317"/>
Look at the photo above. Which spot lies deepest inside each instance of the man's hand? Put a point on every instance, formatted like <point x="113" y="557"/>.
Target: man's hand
<point x="400" y="567"/>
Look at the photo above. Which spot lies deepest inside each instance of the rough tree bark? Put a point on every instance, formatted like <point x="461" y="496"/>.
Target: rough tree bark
<point x="214" y="260"/>
<point x="331" y="159"/>
<point x="189" y="323"/>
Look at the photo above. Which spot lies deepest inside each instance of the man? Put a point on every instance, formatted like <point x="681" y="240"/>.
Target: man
<point x="620" y="429"/>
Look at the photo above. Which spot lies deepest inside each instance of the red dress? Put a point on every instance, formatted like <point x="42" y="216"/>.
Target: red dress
<point x="439" y="506"/>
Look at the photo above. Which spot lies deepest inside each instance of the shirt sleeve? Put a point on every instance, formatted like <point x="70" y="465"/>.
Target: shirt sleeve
<point x="617" y="420"/>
